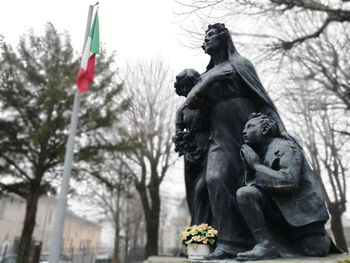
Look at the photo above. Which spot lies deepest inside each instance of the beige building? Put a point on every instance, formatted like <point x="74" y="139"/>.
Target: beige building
<point x="80" y="235"/>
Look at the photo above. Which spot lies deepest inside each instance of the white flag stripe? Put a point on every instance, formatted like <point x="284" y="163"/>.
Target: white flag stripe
<point x="86" y="54"/>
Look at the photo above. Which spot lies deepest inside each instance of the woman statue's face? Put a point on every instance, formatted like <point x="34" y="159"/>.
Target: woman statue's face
<point x="212" y="41"/>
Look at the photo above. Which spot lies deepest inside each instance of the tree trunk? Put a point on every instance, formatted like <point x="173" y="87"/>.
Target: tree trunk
<point x="136" y="235"/>
<point x="28" y="228"/>
<point x="152" y="225"/>
<point x="152" y="222"/>
<point x="151" y="208"/>
<point x="116" y="245"/>
<point x="127" y="233"/>
<point x="337" y="228"/>
<point x="160" y="238"/>
<point x="117" y="229"/>
<point x="126" y="245"/>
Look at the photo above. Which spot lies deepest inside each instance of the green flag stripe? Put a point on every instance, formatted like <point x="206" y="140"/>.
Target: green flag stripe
<point x="95" y="35"/>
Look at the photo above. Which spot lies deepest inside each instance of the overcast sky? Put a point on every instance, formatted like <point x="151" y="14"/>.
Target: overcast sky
<point x="133" y="28"/>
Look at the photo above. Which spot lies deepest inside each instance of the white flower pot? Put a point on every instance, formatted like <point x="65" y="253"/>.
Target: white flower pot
<point x="197" y="252"/>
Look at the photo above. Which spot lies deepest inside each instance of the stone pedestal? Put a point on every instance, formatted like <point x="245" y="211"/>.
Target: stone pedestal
<point x="329" y="259"/>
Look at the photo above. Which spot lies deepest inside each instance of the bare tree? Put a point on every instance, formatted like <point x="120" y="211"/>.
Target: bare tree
<point x="318" y="95"/>
<point x="324" y="61"/>
<point x="116" y="189"/>
<point x="316" y="117"/>
<point x="284" y="29"/>
<point x="149" y="123"/>
<point x="334" y="11"/>
<point x="111" y="192"/>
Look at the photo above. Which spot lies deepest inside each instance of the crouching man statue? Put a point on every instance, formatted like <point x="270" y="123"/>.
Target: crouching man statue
<point x="281" y="202"/>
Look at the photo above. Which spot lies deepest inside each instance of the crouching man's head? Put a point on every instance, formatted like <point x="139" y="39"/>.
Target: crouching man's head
<point x="259" y="130"/>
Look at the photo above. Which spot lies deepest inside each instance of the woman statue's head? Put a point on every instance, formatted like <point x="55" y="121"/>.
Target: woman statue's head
<point x="185" y="81"/>
<point x="216" y="36"/>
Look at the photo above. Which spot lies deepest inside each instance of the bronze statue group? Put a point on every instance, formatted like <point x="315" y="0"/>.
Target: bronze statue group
<point x="244" y="174"/>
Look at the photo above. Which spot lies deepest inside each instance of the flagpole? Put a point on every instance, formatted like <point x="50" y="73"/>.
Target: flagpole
<point x="57" y="237"/>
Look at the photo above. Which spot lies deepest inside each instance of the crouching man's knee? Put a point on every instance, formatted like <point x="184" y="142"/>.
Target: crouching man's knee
<point x="248" y="193"/>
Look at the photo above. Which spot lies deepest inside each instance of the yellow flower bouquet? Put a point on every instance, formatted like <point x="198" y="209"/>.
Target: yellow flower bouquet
<point x="199" y="234"/>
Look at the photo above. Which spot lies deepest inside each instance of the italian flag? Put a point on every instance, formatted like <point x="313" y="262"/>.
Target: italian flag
<point x="87" y="67"/>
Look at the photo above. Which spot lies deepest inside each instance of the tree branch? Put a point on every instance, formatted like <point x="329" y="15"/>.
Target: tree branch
<point x="14" y="164"/>
<point x="19" y="189"/>
<point x="287" y="45"/>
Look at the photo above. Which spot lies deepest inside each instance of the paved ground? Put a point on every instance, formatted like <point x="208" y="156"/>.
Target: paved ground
<point x="329" y="259"/>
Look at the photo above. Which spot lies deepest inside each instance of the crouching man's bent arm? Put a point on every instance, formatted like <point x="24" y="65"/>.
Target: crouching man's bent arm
<point x="283" y="175"/>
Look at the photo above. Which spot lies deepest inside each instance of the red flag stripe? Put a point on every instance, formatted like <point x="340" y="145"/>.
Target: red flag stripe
<point x="85" y="77"/>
